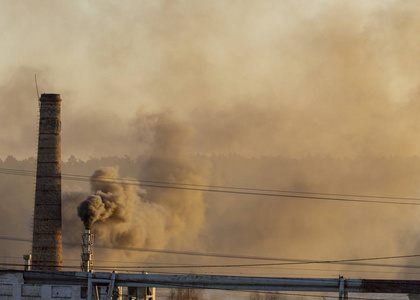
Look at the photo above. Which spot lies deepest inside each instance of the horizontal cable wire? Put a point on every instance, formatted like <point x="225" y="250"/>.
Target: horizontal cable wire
<point x="284" y="261"/>
<point x="223" y="189"/>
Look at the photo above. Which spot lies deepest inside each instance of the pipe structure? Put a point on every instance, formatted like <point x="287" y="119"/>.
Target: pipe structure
<point x="411" y="287"/>
<point x="27" y="258"/>
<point x="86" y="263"/>
<point x="47" y="228"/>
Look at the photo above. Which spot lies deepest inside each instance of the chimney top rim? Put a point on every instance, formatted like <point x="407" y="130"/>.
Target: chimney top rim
<point x="50" y="98"/>
<point x="50" y="95"/>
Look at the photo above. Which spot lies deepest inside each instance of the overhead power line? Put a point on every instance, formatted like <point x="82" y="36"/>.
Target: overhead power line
<point x="228" y="190"/>
<point x="280" y="261"/>
<point x="141" y="181"/>
<point x="339" y="261"/>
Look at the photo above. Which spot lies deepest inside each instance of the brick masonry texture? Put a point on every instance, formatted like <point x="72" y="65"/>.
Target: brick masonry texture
<point x="47" y="230"/>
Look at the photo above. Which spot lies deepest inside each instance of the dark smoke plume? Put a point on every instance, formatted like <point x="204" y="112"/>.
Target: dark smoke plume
<point x="94" y="208"/>
<point x="125" y="214"/>
<point x="109" y="201"/>
<point x="319" y="96"/>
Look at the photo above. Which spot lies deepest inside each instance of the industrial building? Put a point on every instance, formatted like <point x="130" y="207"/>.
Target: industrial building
<point x="47" y="285"/>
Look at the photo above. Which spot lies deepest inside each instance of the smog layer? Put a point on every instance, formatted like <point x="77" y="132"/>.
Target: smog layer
<point x="310" y="97"/>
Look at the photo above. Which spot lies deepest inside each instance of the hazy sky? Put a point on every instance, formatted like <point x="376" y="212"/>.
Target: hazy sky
<point x="268" y="77"/>
<point x="290" y="78"/>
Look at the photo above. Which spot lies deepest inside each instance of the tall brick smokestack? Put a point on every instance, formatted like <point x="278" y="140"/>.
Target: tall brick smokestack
<point x="47" y="231"/>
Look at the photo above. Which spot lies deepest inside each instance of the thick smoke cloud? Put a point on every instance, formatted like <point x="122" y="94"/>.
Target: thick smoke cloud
<point x="319" y="96"/>
<point x="122" y="214"/>
<point x="110" y="201"/>
<point x="326" y="78"/>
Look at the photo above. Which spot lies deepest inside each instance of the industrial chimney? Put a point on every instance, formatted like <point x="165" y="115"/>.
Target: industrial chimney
<point x="86" y="262"/>
<point x="47" y="230"/>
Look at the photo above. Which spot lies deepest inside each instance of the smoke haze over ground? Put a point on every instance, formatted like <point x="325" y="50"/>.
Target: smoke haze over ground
<point x="238" y="224"/>
<point x="284" y="95"/>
